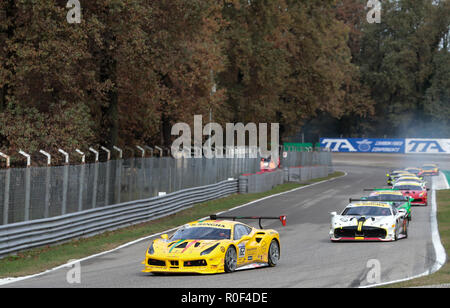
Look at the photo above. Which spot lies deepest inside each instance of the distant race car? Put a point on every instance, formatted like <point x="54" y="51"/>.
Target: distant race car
<point x="413" y="170"/>
<point x="414" y="179"/>
<point x="394" y="175"/>
<point x="369" y="221"/>
<point x="394" y="197"/>
<point x="414" y="190"/>
<point x="429" y="169"/>
<point x="268" y="164"/>
<point x="214" y="246"/>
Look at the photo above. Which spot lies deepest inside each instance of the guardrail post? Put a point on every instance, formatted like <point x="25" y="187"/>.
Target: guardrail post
<point x="243" y="184"/>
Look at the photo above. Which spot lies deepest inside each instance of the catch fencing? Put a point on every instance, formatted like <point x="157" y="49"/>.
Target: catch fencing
<point x="47" y="205"/>
<point x="42" y="192"/>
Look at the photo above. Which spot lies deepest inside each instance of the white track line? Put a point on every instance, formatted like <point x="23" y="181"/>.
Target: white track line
<point x="436" y="239"/>
<point x="5" y="281"/>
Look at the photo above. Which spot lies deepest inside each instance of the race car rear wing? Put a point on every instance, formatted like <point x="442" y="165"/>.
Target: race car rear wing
<point x="394" y="189"/>
<point x="389" y="200"/>
<point x="259" y="218"/>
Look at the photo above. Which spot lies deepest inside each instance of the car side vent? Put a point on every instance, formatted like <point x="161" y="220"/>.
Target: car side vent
<point x="258" y="239"/>
<point x="182" y="245"/>
<point x="197" y="244"/>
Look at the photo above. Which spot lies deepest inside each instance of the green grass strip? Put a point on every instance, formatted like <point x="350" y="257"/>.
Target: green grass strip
<point x="447" y="175"/>
<point x="40" y="259"/>
<point x="442" y="276"/>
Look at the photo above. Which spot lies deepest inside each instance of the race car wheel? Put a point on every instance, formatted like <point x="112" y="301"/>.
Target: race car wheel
<point x="274" y="253"/>
<point x="230" y="261"/>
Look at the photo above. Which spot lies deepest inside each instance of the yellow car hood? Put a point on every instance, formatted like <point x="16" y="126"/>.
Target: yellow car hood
<point x="182" y="247"/>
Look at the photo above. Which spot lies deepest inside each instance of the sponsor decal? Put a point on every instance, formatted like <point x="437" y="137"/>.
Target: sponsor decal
<point x="427" y="146"/>
<point x="363" y="145"/>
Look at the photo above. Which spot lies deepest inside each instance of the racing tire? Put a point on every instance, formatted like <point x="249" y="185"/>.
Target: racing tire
<point x="405" y="229"/>
<point x="273" y="255"/>
<point x="396" y="233"/>
<point x="230" y="260"/>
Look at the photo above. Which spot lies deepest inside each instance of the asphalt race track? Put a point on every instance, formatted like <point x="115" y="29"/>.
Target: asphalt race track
<point x="308" y="257"/>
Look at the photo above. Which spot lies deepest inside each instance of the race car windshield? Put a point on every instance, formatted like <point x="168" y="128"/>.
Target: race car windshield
<point x="407" y="187"/>
<point x="412" y="180"/>
<point x="428" y="167"/>
<point x="367" y="211"/>
<point x="386" y="197"/>
<point x="202" y="233"/>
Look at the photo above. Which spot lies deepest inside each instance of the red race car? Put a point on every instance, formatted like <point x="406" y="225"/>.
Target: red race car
<point x="429" y="169"/>
<point x="416" y="191"/>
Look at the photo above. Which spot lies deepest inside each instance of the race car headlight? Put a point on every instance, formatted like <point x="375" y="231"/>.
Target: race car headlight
<point x="150" y="249"/>
<point x="209" y="250"/>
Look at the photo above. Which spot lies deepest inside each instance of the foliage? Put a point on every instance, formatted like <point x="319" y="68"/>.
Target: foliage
<point x="133" y="68"/>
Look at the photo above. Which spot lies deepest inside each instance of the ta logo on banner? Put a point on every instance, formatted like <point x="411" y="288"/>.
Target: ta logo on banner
<point x="338" y="145"/>
<point x="425" y="146"/>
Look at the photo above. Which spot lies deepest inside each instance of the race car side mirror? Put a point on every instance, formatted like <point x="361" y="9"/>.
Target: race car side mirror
<point x="165" y="237"/>
<point x="428" y="189"/>
<point x="402" y="212"/>
<point x="333" y="214"/>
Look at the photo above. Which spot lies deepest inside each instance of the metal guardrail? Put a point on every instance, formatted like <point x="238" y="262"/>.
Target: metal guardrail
<point x="35" y="233"/>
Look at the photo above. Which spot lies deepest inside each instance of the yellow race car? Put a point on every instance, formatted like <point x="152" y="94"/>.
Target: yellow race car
<point x="214" y="245"/>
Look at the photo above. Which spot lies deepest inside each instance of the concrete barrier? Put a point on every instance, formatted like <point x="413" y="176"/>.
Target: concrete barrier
<point x="264" y="181"/>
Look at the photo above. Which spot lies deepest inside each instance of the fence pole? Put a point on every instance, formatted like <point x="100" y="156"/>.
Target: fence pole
<point x="150" y="149"/>
<point x="49" y="157"/>
<point x="27" y="193"/>
<point x="95" y="152"/>
<point x="80" y="188"/>
<point x="108" y="152"/>
<point x="65" y="184"/>
<point x="7" y="159"/>
<point x="47" y="191"/>
<point x="118" y="150"/>
<point x="66" y="155"/>
<point x="160" y="150"/>
<point x="142" y="151"/>
<point x="28" y="157"/>
<point x="6" y="196"/>
<point x="83" y="156"/>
